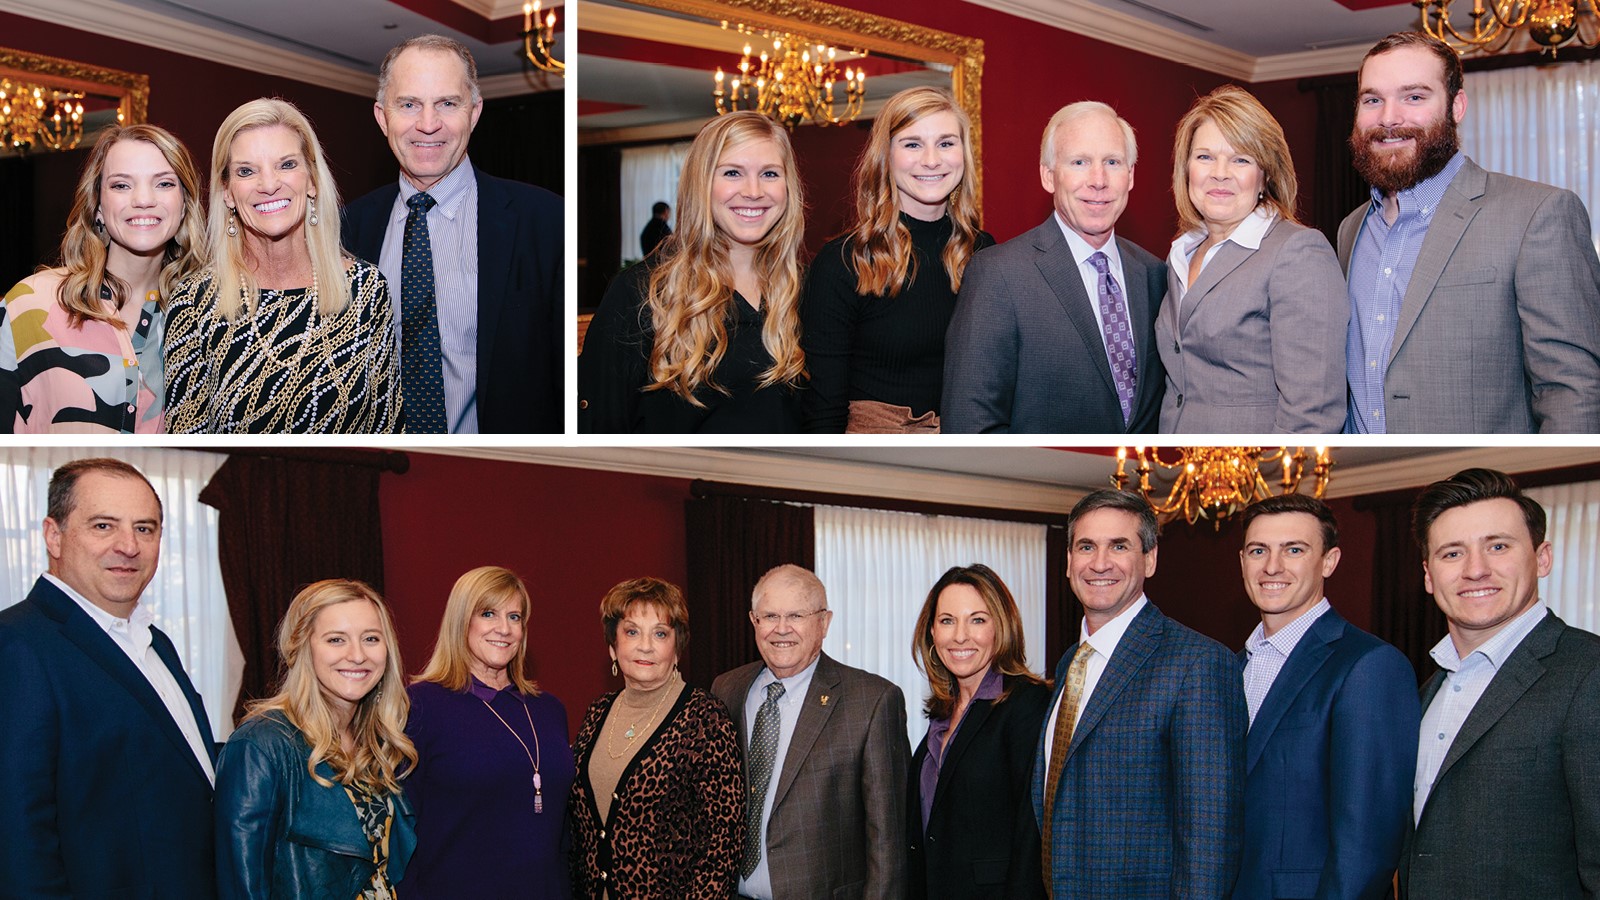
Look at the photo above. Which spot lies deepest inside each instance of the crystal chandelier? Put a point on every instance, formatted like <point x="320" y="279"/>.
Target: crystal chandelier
<point x="539" y="39"/>
<point x="1216" y="482"/>
<point x="1492" y="25"/>
<point x="793" y="83"/>
<point x="39" y="118"/>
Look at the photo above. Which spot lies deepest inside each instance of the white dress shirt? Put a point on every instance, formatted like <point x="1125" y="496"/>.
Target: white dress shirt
<point x="1248" y="234"/>
<point x="1104" y="641"/>
<point x="759" y="884"/>
<point x="132" y="636"/>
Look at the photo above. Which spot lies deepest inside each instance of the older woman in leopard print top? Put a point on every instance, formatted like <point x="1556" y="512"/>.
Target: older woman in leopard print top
<point x="657" y="809"/>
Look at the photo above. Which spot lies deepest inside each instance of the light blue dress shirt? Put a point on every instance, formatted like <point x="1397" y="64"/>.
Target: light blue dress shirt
<point x="759" y="884"/>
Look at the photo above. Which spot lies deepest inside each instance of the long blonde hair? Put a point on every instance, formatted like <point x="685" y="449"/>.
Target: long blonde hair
<point x="84" y="246"/>
<point x="880" y="250"/>
<point x="1247" y="125"/>
<point x="485" y="587"/>
<point x="383" y="753"/>
<point x="232" y="284"/>
<point x="691" y="289"/>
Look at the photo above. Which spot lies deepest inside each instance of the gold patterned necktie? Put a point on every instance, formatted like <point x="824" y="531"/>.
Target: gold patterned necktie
<point x="1066" y="718"/>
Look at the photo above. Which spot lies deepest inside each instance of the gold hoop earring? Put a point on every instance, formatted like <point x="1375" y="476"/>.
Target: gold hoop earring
<point x="613" y="668"/>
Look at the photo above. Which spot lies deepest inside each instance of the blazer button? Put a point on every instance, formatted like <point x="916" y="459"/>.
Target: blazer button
<point x="1176" y="348"/>
<point x="1180" y="401"/>
<point x="583" y="404"/>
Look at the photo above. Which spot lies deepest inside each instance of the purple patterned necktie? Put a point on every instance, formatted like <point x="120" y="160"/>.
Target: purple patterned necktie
<point x="1118" y="334"/>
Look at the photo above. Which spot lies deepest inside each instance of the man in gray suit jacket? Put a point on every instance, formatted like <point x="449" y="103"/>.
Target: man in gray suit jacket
<point x="1053" y="330"/>
<point x="1475" y="296"/>
<point x="826" y="757"/>
<point x="1507" y="800"/>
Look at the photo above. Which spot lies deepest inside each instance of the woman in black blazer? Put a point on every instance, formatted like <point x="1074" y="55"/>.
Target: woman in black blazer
<point x="972" y="833"/>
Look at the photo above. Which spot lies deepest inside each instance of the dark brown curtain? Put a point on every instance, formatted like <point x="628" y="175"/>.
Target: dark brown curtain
<point x="732" y="541"/>
<point x="1336" y="189"/>
<point x="283" y="521"/>
<point x="1403" y="613"/>
<point x="1063" y="613"/>
<point x="520" y="138"/>
<point x="600" y="252"/>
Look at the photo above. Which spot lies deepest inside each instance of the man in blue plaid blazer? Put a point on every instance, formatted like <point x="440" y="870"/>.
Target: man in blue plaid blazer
<point x="1139" y="777"/>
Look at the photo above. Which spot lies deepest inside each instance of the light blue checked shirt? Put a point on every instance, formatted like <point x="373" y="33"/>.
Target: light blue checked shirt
<point x="1464" y="684"/>
<point x="1265" y="655"/>
<point x="1380" y="270"/>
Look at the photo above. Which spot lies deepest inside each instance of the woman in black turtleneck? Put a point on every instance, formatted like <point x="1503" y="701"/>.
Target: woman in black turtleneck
<point x="879" y="298"/>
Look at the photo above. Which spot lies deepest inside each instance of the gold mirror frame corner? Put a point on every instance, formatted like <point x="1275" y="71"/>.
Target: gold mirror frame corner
<point x="847" y="27"/>
<point x="131" y="89"/>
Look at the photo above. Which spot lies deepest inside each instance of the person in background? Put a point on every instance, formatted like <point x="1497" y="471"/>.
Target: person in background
<point x="493" y="764"/>
<point x="657" y="809"/>
<point x="308" y="788"/>
<point x="1252" y="331"/>
<point x="879" y="298"/>
<point x="971" y="830"/>
<point x="283" y="332"/>
<point x="474" y="261"/>
<point x="704" y="335"/>
<point x="80" y="344"/>
<point x="657" y="229"/>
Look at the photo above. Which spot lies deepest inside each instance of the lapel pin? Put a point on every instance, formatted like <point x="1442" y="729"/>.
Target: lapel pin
<point x="823" y="699"/>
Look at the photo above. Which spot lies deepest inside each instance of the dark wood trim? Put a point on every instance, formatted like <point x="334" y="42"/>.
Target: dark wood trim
<point x="702" y="488"/>
<point x="395" y="461"/>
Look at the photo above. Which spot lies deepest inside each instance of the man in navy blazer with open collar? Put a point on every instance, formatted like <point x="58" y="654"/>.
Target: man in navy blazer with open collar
<point x="101" y="792"/>
<point x="1332" y="745"/>
<point x="520" y="359"/>
<point x="1149" y="803"/>
<point x="1024" y="352"/>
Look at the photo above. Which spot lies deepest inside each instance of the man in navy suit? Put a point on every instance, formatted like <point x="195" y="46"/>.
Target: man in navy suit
<point x="106" y="755"/>
<point x="492" y="311"/>
<point x="1139" y="776"/>
<point x="1333" y="720"/>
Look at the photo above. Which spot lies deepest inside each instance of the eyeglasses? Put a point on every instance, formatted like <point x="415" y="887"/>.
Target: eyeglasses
<point x="793" y="620"/>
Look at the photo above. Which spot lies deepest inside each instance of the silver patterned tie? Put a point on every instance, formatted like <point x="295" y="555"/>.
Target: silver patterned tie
<point x="763" y="750"/>
<point x="1120" y="352"/>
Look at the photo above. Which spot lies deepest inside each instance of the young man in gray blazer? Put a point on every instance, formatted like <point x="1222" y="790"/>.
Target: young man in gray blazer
<point x="825" y="757"/>
<point x="1474" y="296"/>
<point x="1054" y="331"/>
<point x="1507" y="802"/>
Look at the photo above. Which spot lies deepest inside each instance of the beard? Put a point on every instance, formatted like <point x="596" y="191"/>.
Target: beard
<point x="1391" y="171"/>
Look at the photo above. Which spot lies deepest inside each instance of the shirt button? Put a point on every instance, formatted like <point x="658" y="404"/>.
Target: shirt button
<point x="1388" y="271"/>
<point x="130" y="407"/>
<point x="1379" y="413"/>
<point x="1372" y="364"/>
<point x="1380" y="317"/>
<point x="1457" y="688"/>
<point x="1441" y="735"/>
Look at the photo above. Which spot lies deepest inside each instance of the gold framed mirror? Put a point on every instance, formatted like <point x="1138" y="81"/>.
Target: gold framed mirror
<point x="101" y="96"/>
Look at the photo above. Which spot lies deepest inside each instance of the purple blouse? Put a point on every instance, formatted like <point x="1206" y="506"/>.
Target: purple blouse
<point x="477" y="833"/>
<point x="939" y="737"/>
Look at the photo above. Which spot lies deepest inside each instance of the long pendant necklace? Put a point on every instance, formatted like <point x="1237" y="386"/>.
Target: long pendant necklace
<point x="533" y="758"/>
<point x="634" y="728"/>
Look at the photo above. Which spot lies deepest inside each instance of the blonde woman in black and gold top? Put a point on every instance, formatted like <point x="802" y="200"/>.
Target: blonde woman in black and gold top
<point x="283" y="332"/>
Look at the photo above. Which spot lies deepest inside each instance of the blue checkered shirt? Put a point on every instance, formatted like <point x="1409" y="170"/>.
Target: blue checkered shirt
<point x="1265" y="655"/>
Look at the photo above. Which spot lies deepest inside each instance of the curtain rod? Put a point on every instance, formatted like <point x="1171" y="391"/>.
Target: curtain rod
<point x="702" y="488"/>
<point x="395" y="461"/>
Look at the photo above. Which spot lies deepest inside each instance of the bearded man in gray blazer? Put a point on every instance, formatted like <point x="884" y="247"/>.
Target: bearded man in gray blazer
<point x="825" y="757"/>
<point x="1475" y="296"/>
<point x="1054" y="330"/>
<point x="1507" y="799"/>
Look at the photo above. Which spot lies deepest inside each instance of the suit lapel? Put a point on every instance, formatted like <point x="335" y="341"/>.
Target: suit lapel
<point x="1059" y="271"/>
<point x="966" y="733"/>
<point x="169" y="657"/>
<point x="814" y="717"/>
<point x="1456" y="211"/>
<point x="102" y="650"/>
<point x="741" y="682"/>
<point x="1304" y="661"/>
<point x="1136" y="646"/>
<point x="1229" y="257"/>
<point x="1521" y="669"/>
<point x="1137" y="294"/>
<point x="495" y="258"/>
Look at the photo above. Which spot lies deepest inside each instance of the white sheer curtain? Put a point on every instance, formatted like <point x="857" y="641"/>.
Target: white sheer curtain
<point x="878" y="567"/>
<point x="1573" y="511"/>
<point x="1541" y="123"/>
<point x="649" y="174"/>
<point x="186" y="594"/>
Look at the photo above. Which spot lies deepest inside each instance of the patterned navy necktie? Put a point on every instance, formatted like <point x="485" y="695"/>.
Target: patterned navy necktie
<point x="1118" y="335"/>
<point x="421" y="363"/>
<point x="763" y="751"/>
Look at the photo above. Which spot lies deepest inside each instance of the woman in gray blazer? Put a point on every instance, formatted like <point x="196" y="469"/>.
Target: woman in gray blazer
<point x="1252" y="330"/>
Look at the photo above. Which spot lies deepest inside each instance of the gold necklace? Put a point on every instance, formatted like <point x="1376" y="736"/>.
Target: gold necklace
<point x="634" y="730"/>
<point x="533" y="758"/>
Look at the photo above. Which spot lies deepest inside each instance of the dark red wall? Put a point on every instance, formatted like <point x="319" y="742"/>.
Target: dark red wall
<point x="570" y="533"/>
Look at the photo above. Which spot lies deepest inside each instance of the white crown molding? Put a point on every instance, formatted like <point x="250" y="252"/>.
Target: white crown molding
<point x="794" y="473"/>
<point x="1310" y="63"/>
<point x="1415" y="472"/>
<point x="141" y="27"/>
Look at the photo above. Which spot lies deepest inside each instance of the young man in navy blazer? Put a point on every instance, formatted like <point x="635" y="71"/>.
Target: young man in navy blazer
<point x="485" y="301"/>
<point x="106" y="754"/>
<point x="1333" y="720"/>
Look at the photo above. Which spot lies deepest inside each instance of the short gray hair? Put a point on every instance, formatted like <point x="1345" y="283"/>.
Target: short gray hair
<point x="431" y="42"/>
<point x="1073" y="112"/>
<point x="799" y="579"/>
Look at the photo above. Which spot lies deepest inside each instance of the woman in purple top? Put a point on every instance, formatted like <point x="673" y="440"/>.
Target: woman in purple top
<point x="494" y="766"/>
<point x="971" y="830"/>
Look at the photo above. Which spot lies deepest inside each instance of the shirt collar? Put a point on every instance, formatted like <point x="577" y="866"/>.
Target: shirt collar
<point x="1081" y="251"/>
<point x="1495" y="649"/>
<point x="802" y="677"/>
<point x="448" y="193"/>
<point x="1105" y="640"/>
<point x="484" y="692"/>
<point x="992" y="685"/>
<point x="1285" y="639"/>
<point x="134" y="629"/>
<point x="1424" y="196"/>
<point x="1248" y="233"/>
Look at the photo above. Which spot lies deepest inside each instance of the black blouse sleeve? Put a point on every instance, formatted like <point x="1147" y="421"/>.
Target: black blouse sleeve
<point x="616" y="352"/>
<point x="828" y="313"/>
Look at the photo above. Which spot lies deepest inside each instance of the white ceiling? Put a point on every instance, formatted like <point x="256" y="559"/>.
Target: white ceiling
<point x="332" y="43"/>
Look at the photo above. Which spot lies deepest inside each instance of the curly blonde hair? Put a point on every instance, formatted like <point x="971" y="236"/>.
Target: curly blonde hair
<point x="881" y="246"/>
<point x="691" y="290"/>
<point x="383" y="753"/>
